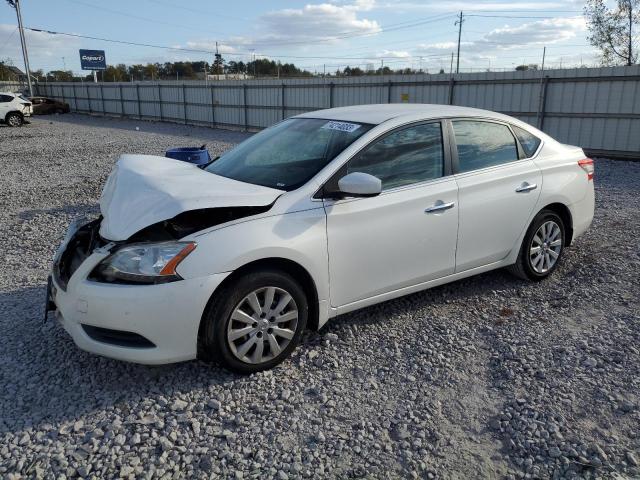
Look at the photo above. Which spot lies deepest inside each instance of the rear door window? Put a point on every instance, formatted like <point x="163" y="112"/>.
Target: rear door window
<point x="483" y="144"/>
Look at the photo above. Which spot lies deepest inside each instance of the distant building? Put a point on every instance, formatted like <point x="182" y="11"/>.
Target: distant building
<point x="15" y="74"/>
<point x="226" y="76"/>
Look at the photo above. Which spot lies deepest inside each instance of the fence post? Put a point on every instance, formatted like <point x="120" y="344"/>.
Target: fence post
<point x="121" y="101"/>
<point x="75" y="97"/>
<point x="452" y="83"/>
<point x="283" y="106"/>
<point x="542" y="105"/>
<point x="160" y="101"/>
<point x="104" y="111"/>
<point x="389" y="91"/>
<point x="244" y="103"/>
<point x="184" y="103"/>
<point x="330" y="94"/>
<point x="62" y="92"/>
<point x="213" y="108"/>
<point x="86" y="87"/>
<point x="138" y="100"/>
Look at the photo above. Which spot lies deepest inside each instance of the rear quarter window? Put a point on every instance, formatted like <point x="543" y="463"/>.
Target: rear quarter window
<point x="528" y="141"/>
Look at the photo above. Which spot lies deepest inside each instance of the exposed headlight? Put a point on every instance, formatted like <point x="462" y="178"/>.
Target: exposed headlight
<point x="146" y="263"/>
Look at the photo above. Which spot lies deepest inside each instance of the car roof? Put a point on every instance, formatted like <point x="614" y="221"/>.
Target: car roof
<point x="9" y="93"/>
<point x="376" y="114"/>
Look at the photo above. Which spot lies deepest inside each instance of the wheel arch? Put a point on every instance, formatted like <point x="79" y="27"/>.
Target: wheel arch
<point x="12" y="112"/>
<point x="286" y="265"/>
<point x="564" y="213"/>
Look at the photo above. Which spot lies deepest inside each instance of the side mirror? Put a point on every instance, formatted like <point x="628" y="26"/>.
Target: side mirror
<point x="359" y="184"/>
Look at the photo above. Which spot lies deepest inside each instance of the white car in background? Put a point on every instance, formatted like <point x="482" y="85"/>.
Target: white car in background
<point x="14" y="108"/>
<point x="321" y="214"/>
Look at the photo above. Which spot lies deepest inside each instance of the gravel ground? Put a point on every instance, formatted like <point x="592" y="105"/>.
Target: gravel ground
<point x="489" y="377"/>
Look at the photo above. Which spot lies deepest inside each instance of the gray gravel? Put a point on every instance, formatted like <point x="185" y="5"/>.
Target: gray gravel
<point x="489" y="377"/>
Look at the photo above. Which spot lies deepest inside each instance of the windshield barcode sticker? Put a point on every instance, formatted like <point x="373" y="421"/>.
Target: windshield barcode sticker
<point x="342" y="126"/>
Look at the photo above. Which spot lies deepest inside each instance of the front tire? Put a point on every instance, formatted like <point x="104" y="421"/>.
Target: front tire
<point x="541" y="248"/>
<point x="14" y="119"/>
<point x="255" y="321"/>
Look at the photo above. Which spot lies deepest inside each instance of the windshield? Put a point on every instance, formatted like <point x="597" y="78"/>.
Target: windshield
<point x="289" y="154"/>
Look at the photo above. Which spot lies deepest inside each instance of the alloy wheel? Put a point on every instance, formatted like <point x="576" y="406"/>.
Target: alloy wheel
<point x="262" y="325"/>
<point x="14" y="120"/>
<point x="546" y="246"/>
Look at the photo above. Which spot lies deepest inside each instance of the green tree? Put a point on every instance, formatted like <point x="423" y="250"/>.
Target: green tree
<point x="60" y="76"/>
<point x="117" y="73"/>
<point x="612" y="30"/>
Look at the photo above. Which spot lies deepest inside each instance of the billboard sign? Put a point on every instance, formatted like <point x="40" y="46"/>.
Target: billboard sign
<point x="93" y="60"/>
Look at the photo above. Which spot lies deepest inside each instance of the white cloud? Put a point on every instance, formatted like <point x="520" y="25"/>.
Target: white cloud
<point x="229" y="46"/>
<point x="534" y="34"/>
<point x="542" y="32"/>
<point x="394" y="54"/>
<point x="318" y="22"/>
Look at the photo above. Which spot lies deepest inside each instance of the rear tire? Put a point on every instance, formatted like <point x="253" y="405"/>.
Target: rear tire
<point x="541" y="248"/>
<point x="13" y="119"/>
<point x="254" y="322"/>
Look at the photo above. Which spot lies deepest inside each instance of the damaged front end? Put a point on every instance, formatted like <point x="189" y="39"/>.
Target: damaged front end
<point x="153" y="248"/>
<point x="193" y="221"/>
<point x="81" y="240"/>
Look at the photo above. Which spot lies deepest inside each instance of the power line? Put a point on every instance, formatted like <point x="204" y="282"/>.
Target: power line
<point x="6" y="42"/>
<point x="195" y="10"/>
<point x="508" y="16"/>
<point x="521" y="10"/>
<point x="391" y="27"/>
<point x="129" y="15"/>
<point x="194" y="50"/>
<point x="388" y="28"/>
<point x="338" y="36"/>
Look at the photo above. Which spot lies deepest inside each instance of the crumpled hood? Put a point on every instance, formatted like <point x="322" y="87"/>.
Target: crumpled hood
<point x="144" y="189"/>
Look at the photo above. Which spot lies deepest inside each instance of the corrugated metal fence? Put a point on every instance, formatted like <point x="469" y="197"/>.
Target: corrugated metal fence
<point x="598" y="109"/>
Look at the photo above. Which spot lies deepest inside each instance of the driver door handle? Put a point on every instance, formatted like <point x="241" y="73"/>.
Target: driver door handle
<point x="526" y="187"/>
<point x="438" y="207"/>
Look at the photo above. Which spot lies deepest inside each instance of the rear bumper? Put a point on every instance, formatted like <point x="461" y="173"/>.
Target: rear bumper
<point x="582" y="212"/>
<point x="167" y="315"/>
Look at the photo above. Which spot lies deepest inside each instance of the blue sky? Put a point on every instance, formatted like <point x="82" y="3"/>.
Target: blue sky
<point x="314" y="34"/>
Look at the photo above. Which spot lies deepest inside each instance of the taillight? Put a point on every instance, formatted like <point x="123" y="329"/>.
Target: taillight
<point x="587" y="165"/>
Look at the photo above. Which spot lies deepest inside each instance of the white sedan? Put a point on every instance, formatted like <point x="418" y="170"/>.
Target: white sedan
<point x="321" y="214"/>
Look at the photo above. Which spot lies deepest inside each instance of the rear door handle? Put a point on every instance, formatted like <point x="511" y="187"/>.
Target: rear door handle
<point x="439" y="206"/>
<point x="526" y="187"/>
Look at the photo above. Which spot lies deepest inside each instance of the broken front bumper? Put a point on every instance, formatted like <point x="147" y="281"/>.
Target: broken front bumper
<point x="150" y="324"/>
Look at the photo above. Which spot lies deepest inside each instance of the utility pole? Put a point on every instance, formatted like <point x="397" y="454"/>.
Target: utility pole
<point x="16" y="4"/>
<point x="630" y="59"/>
<point x="459" y="23"/>
<point x="451" y="66"/>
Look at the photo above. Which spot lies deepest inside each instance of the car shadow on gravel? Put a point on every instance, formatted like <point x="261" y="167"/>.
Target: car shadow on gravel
<point x="48" y="379"/>
<point x="45" y="378"/>
<point x="476" y="286"/>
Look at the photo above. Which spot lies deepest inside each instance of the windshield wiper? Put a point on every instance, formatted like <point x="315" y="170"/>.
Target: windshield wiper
<point x="205" y="165"/>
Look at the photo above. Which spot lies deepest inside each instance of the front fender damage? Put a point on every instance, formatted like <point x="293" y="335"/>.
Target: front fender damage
<point x="192" y="221"/>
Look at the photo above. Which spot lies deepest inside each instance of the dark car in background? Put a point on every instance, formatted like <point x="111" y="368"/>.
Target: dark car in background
<point x="43" y="106"/>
